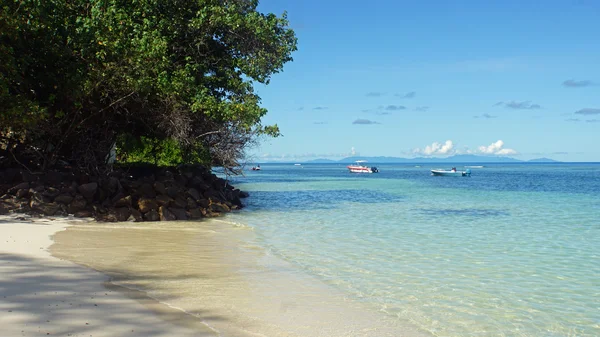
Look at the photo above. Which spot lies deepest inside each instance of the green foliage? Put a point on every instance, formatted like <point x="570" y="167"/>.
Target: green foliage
<point x="176" y="75"/>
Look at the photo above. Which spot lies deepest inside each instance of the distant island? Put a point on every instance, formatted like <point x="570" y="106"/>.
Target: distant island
<point x="452" y="159"/>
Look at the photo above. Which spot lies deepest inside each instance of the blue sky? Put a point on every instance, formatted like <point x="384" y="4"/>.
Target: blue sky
<point x="436" y="78"/>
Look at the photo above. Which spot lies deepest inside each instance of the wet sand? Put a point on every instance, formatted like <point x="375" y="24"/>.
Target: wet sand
<point x="177" y="278"/>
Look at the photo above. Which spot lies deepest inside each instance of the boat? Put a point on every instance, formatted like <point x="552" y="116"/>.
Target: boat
<point x="452" y="173"/>
<point x="359" y="168"/>
<point x="256" y="168"/>
<point x="297" y="164"/>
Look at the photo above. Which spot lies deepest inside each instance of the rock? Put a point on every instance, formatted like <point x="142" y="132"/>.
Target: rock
<point x="63" y="199"/>
<point x="237" y="202"/>
<point x="77" y="205"/>
<point x="195" y="213"/>
<point x="146" y="205"/>
<point x="124" y="202"/>
<point x="146" y="190"/>
<point x="198" y="182"/>
<point x="180" y="202"/>
<point x="160" y="188"/>
<point x="218" y="207"/>
<point x="135" y="216"/>
<point x="83" y="214"/>
<point x="164" y="200"/>
<point x="113" y="185"/>
<point x="192" y="192"/>
<point x="53" y="178"/>
<point x="22" y="193"/>
<point x="173" y="192"/>
<point x="39" y="197"/>
<point x="121" y="213"/>
<point x="179" y="213"/>
<point x="21" y="186"/>
<point x="152" y="215"/>
<point x="203" y="203"/>
<point x="244" y="194"/>
<point x="214" y="194"/>
<point x="88" y="190"/>
<point x="213" y="214"/>
<point x="191" y="204"/>
<point x="51" y="192"/>
<point x="165" y="214"/>
<point x="45" y="208"/>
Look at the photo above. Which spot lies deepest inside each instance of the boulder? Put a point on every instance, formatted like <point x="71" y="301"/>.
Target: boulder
<point x="165" y="214"/>
<point x="192" y="192"/>
<point x="51" y="192"/>
<point x="22" y="193"/>
<point x="83" y="214"/>
<point x="191" y="204"/>
<point x="152" y="215"/>
<point x="219" y="207"/>
<point x="64" y="199"/>
<point x="145" y="205"/>
<point x="21" y="186"/>
<point x="53" y="178"/>
<point x="244" y="194"/>
<point x="28" y="176"/>
<point x="179" y="213"/>
<point x="124" y="202"/>
<point x="44" y="208"/>
<point x="113" y="185"/>
<point x="204" y="203"/>
<point x="179" y="202"/>
<point x="120" y="213"/>
<point x="195" y="213"/>
<point x="39" y="197"/>
<point x="77" y="205"/>
<point x="88" y="190"/>
<point x="172" y="191"/>
<point x="135" y="216"/>
<point x="198" y="182"/>
<point x="160" y="188"/>
<point x="164" y="200"/>
<point x="146" y="190"/>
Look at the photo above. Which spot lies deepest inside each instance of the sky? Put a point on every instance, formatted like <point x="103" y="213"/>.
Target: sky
<point x="436" y="78"/>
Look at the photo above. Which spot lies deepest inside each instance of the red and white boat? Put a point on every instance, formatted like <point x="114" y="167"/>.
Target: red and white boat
<point x="359" y="168"/>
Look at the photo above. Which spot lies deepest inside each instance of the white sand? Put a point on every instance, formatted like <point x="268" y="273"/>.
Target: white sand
<point x="41" y="295"/>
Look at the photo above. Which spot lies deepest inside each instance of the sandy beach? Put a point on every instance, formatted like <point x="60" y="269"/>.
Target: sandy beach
<point x="41" y="295"/>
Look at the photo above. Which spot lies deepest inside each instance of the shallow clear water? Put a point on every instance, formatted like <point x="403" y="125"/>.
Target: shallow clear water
<point x="513" y="250"/>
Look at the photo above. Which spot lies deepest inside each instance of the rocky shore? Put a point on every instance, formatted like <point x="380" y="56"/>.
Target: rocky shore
<point x="126" y="194"/>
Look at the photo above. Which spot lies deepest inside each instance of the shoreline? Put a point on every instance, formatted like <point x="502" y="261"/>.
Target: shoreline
<point x="45" y="295"/>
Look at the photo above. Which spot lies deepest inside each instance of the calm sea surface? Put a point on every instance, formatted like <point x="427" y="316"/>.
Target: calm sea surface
<point x="513" y="250"/>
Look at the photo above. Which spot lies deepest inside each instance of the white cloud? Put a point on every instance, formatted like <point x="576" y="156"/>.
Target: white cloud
<point x="496" y="148"/>
<point x="436" y="148"/>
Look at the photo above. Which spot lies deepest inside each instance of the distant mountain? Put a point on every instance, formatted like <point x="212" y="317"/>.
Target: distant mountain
<point x="321" y="161"/>
<point x="465" y="158"/>
<point x="543" y="160"/>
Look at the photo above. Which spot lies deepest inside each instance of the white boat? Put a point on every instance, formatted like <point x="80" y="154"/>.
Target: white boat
<point x="256" y="168"/>
<point x="452" y="173"/>
<point x="359" y="168"/>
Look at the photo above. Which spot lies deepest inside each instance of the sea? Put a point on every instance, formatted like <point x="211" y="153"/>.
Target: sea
<point x="512" y="250"/>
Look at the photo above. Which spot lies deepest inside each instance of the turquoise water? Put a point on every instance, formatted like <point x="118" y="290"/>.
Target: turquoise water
<point x="513" y="250"/>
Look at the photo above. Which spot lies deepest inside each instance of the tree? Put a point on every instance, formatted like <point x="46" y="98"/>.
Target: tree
<point x="78" y="76"/>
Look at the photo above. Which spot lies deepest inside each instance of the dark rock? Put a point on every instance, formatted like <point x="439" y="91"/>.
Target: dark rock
<point x="88" y="190"/>
<point x="63" y="199"/>
<point x="152" y="215"/>
<point x="218" y="207"/>
<point x="195" y="213"/>
<point x="121" y="213"/>
<point x="234" y="207"/>
<point x="212" y="214"/>
<point x="180" y="202"/>
<point x="179" y="213"/>
<point x="173" y="192"/>
<point x="146" y="190"/>
<point x="11" y="175"/>
<point x="191" y="203"/>
<point x="77" y="205"/>
<point x="113" y="185"/>
<point x="51" y="192"/>
<point x="45" y="208"/>
<point x="244" y="194"/>
<point x="146" y="205"/>
<point x="192" y="192"/>
<point x="39" y="197"/>
<point x="83" y="214"/>
<point x="135" y="216"/>
<point x="198" y="182"/>
<point x="165" y="214"/>
<point x="22" y="193"/>
<point x="21" y="186"/>
<point x="214" y="194"/>
<point x="124" y="202"/>
<point x="160" y="188"/>
<point x="203" y="203"/>
<point x="164" y="200"/>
